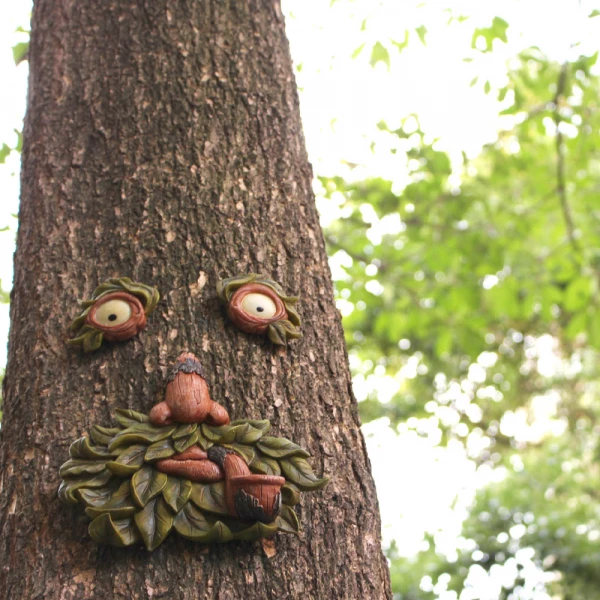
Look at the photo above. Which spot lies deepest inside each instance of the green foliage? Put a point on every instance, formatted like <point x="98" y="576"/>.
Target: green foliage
<point x="496" y="31"/>
<point x="458" y="287"/>
<point x="380" y="53"/>
<point x="20" y="52"/>
<point x="4" y="295"/>
<point x="21" y="49"/>
<point x="112" y="474"/>
<point x="5" y="150"/>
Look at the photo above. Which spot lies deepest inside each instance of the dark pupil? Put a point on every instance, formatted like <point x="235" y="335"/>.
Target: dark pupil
<point x="112" y="317"/>
<point x="260" y="309"/>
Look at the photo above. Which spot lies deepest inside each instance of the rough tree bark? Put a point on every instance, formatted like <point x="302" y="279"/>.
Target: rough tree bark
<point x="163" y="142"/>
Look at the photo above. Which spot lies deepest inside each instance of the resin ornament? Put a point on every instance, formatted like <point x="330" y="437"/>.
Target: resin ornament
<point x="256" y="304"/>
<point x="116" y="312"/>
<point x="179" y="469"/>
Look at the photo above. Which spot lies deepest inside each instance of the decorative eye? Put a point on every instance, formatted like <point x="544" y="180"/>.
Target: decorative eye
<point x="119" y="316"/>
<point x="113" y="313"/>
<point x="116" y="311"/>
<point x="259" y="305"/>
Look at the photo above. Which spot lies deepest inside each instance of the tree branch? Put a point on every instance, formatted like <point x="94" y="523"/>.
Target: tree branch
<point x="561" y="189"/>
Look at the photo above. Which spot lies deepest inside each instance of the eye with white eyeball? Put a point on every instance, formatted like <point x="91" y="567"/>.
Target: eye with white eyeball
<point x="259" y="305"/>
<point x="113" y="313"/>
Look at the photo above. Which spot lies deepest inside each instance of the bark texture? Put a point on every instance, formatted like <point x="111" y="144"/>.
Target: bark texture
<point x="163" y="142"/>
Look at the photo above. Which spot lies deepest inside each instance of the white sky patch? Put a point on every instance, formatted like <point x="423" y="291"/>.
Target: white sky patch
<point x="12" y="109"/>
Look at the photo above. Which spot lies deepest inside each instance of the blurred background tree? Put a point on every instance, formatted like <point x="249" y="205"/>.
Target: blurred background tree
<point x="466" y="261"/>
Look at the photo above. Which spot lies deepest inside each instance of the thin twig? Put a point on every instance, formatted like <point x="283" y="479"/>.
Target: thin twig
<point x="561" y="188"/>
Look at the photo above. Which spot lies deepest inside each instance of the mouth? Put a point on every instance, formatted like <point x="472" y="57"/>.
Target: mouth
<point x="192" y="464"/>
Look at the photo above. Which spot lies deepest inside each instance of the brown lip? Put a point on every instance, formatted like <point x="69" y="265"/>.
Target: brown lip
<point x="191" y="454"/>
<point x="204" y="471"/>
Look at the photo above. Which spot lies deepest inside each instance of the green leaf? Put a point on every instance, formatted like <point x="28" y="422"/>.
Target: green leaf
<point x="129" y="461"/>
<point x="77" y="466"/>
<point x="82" y="448"/>
<point x="146" y="484"/>
<point x="91" y="339"/>
<point x="193" y="525"/>
<point x="20" y="52"/>
<point x="263" y="424"/>
<point x="578" y="294"/>
<point x="298" y="471"/>
<point x="183" y="444"/>
<point x="19" y="134"/>
<point x="403" y="44"/>
<point x="68" y="487"/>
<point x="421" y="32"/>
<point x="562" y="269"/>
<point x="148" y="296"/>
<point x="245" y="433"/>
<point x="119" y="533"/>
<point x="210" y="497"/>
<point x="594" y="330"/>
<point x="282" y="331"/>
<point x="246" y="452"/>
<point x="204" y="443"/>
<point x="103" y="435"/>
<point x="443" y="344"/>
<point x="290" y="494"/>
<point x="379" y="53"/>
<point x="496" y="31"/>
<point x="127" y="418"/>
<point x="280" y="447"/>
<point x="141" y="432"/>
<point x="119" y="505"/>
<point x="159" y="451"/>
<point x="287" y="521"/>
<point x="183" y="431"/>
<point x="242" y="433"/>
<point x="256" y="532"/>
<point x="177" y="492"/>
<point x="358" y="51"/>
<point x="499" y="27"/>
<point x="265" y="466"/>
<point x="4" y="152"/>
<point x="154" y="523"/>
<point x="214" y="434"/>
<point x="577" y="324"/>
<point x="96" y="496"/>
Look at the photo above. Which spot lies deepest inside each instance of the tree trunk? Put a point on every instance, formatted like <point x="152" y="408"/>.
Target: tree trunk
<point x="163" y="142"/>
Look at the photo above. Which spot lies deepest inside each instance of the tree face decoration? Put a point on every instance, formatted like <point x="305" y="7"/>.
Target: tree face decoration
<point x="256" y="304"/>
<point x="209" y="482"/>
<point x="116" y="312"/>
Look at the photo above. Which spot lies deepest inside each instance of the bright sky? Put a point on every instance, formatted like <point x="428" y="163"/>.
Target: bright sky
<point x="342" y="100"/>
